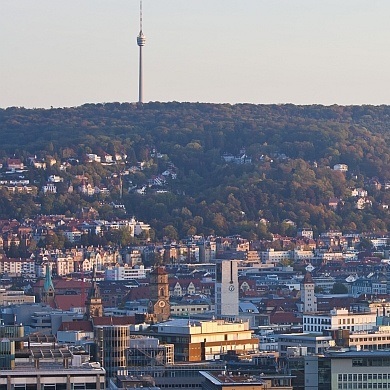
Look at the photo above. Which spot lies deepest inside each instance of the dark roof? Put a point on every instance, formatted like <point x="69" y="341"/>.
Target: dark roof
<point x="102" y="321"/>
<point x="66" y="302"/>
<point x="159" y="271"/>
<point x="85" y="326"/>
<point x="308" y="278"/>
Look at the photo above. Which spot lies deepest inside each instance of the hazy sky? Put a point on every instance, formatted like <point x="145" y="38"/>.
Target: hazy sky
<point x="69" y="52"/>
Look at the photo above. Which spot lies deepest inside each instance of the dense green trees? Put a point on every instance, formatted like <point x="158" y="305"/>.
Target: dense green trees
<point x="293" y="149"/>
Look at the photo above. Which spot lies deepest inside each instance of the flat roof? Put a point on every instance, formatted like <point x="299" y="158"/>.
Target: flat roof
<point x="228" y="379"/>
<point x="358" y="354"/>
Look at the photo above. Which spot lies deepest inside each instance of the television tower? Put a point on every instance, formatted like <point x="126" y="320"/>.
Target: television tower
<point x="140" y="42"/>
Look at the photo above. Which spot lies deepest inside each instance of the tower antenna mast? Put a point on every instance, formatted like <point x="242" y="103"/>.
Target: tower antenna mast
<point x="140" y="42"/>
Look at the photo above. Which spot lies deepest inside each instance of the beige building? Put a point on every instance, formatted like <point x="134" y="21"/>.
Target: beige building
<point x="372" y="340"/>
<point x="14" y="297"/>
<point x="196" y="341"/>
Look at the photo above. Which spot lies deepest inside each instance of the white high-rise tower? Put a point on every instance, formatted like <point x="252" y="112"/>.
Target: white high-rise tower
<point x="226" y="289"/>
<point x="140" y="42"/>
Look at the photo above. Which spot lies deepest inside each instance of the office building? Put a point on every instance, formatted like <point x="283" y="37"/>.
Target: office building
<point x="226" y="289"/>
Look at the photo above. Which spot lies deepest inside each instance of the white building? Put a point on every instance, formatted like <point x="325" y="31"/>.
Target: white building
<point x="125" y="272"/>
<point x="338" y="319"/>
<point x="17" y="267"/>
<point x="226" y="289"/>
<point x="340" y="167"/>
<point x="308" y="298"/>
<point x="272" y="256"/>
<point x="305" y="232"/>
<point x="49" y="188"/>
<point x="311" y="342"/>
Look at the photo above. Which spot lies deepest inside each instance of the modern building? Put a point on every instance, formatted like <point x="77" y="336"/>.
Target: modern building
<point x="54" y="375"/>
<point x="112" y="342"/>
<point x="197" y="341"/>
<point x="339" y="319"/>
<point x="229" y="381"/>
<point x="45" y="365"/>
<point x="147" y="351"/>
<point x="313" y="343"/>
<point x="227" y="289"/>
<point x="124" y="272"/>
<point x="347" y="370"/>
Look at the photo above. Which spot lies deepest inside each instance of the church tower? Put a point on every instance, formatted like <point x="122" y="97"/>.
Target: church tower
<point x="93" y="304"/>
<point x="159" y="306"/>
<point x="308" y="298"/>
<point x="48" y="287"/>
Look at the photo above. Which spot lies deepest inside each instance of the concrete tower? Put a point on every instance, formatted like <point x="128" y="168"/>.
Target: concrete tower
<point x="226" y="289"/>
<point x="308" y="298"/>
<point x="140" y="42"/>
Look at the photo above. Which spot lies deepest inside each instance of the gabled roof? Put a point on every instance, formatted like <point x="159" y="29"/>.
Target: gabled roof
<point x="308" y="279"/>
<point x="103" y="321"/>
<point x="67" y="302"/>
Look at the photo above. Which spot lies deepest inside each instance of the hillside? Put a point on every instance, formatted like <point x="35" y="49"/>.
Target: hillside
<point x="285" y="177"/>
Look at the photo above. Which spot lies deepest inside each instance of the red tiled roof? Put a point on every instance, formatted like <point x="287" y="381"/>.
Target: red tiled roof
<point x="141" y="292"/>
<point x="85" y="326"/>
<point x="284" y="318"/>
<point x="66" y="302"/>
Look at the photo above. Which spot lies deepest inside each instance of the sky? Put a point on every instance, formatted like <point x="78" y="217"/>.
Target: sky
<point x="65" y="53"/>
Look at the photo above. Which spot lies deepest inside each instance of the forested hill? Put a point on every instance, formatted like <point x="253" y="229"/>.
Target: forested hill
<point x="288" y="175"/>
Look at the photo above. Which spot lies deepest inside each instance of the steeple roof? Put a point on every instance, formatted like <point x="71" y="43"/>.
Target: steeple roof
<point x="48" y="284"/>
<point x="308" y="279"/>
<point x="94" y="291"/>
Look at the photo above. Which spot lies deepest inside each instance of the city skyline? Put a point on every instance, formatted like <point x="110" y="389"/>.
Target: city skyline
<point x="70" y="53"/>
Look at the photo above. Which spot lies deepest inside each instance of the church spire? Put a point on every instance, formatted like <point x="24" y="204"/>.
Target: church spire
<point x="48" y="287"/>
<point x="48" y="280"/>
<point x="94" y="291"/>
<point x="93" y="304"/>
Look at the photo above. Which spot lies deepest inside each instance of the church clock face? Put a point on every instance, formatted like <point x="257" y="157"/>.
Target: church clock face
<point x="161" y="304"/>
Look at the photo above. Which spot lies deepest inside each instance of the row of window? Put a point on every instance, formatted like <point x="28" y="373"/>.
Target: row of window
<point x="371" y="362"/>
<point x="362" y="377"/>
<point x="359" y="339"/>
<point x="361" y="385"/>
